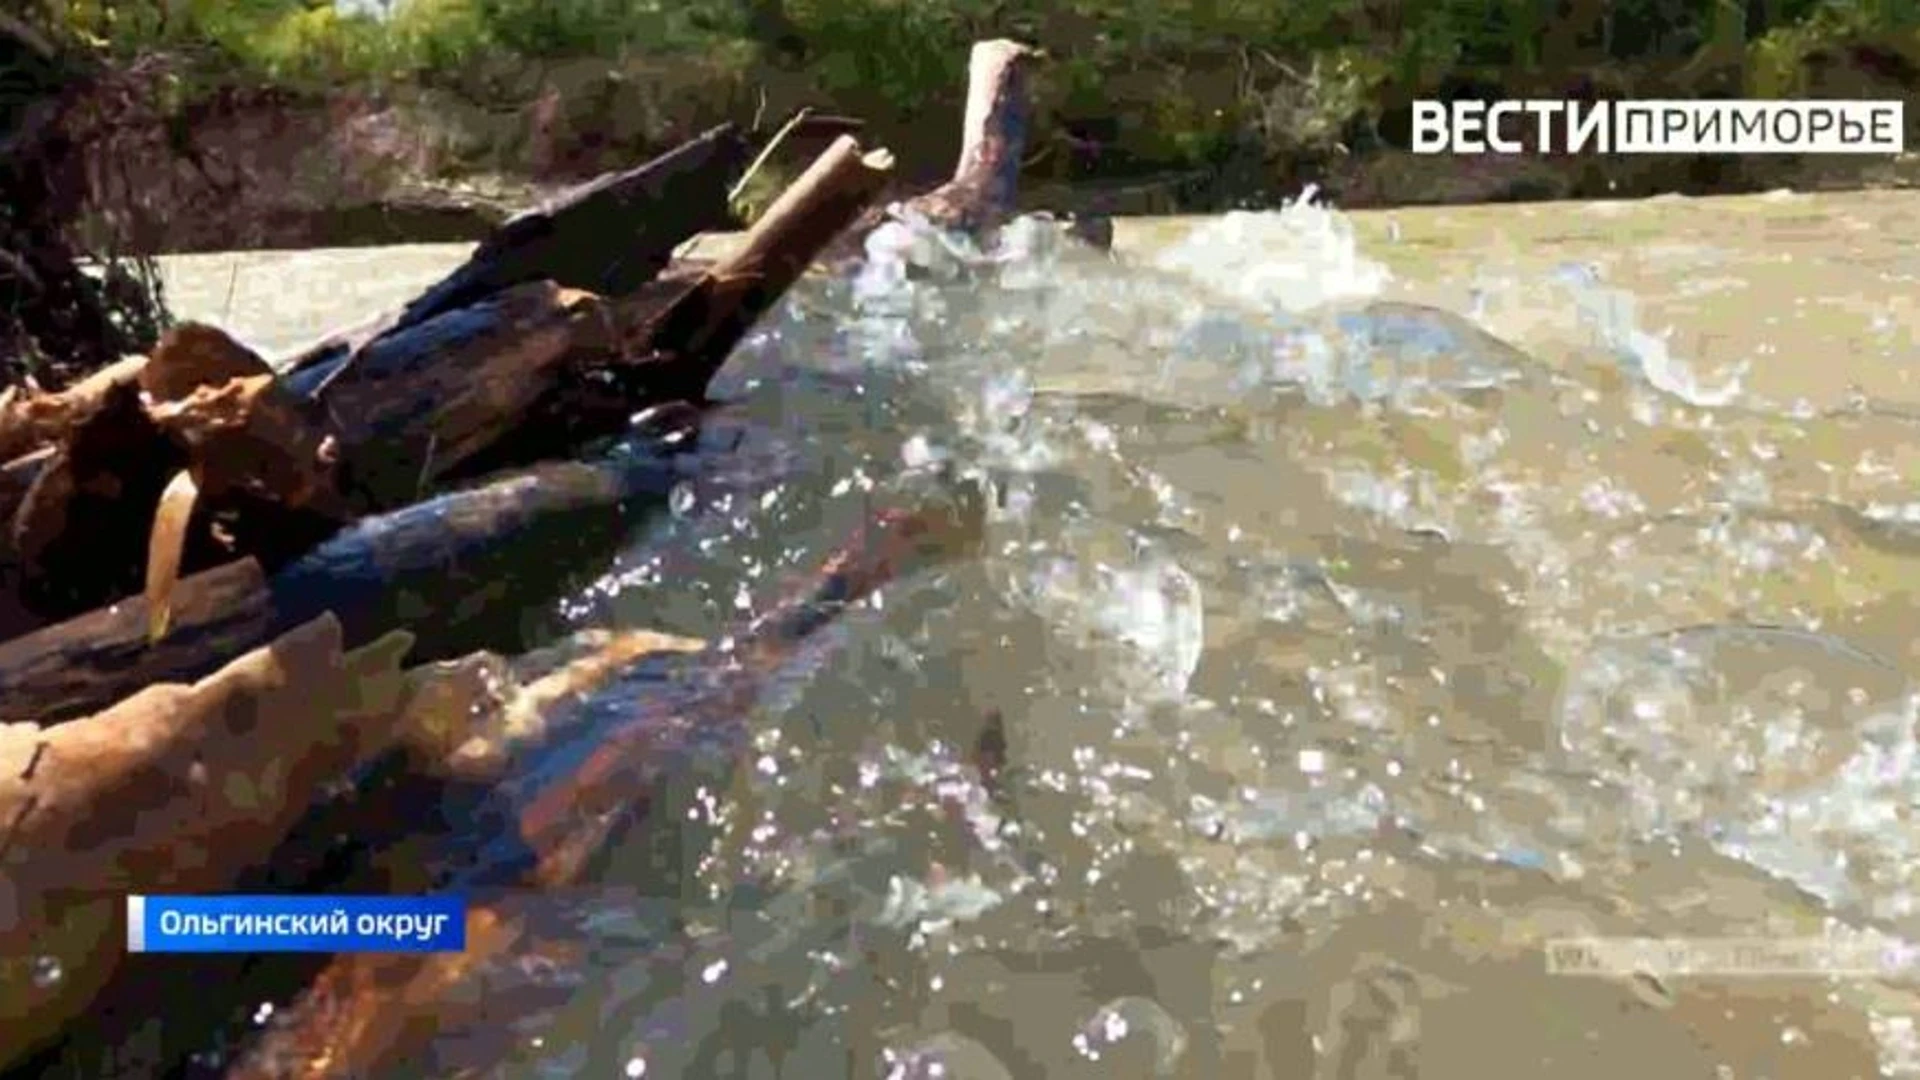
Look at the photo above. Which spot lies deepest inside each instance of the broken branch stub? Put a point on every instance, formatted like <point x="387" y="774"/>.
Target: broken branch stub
<point x="692" y="338"/>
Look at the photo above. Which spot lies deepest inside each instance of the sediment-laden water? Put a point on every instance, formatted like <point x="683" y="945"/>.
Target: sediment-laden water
<point x="1368" y="604"/>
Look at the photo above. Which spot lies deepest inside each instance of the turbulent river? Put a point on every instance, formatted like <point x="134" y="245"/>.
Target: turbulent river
<point x="1369" y="603"/>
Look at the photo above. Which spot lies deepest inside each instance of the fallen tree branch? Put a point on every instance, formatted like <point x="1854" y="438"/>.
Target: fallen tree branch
<point x="609" y="236"/>
<point x="993" y="137"/>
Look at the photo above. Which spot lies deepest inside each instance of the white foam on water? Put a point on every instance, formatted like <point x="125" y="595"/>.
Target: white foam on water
<point x="1614" y="316"/>
<point x="1294" y="259"/>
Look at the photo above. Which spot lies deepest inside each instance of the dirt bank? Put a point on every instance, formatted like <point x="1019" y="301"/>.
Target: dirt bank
<point x="422" y="164"/>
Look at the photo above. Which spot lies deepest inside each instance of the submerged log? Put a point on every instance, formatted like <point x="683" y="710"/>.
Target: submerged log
<point x="561" y="806"/>
<point x="176" y="789"/>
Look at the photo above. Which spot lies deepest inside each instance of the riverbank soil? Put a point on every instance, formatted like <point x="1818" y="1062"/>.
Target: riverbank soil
<point x="431" y="121"/>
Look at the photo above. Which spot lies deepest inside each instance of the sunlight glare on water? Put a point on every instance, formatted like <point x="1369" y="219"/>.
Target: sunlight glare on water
<point x="1345" y="652"/>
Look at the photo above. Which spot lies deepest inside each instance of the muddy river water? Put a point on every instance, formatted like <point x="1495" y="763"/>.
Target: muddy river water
<point x="1371" y="603"/>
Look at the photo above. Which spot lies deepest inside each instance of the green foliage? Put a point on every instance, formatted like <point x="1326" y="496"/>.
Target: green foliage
<point x="1175" y="83"/>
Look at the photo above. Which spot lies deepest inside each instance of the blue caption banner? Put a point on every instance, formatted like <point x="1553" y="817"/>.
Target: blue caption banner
<point x="296" y="924"/>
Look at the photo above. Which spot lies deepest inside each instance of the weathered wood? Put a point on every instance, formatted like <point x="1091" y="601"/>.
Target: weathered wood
<point x="420" y="401"/>
<point x="177" y="789"/>
<point x="78" y="537"/>
<point x="993" y="136"/>
<point x="192" y="355"/>
<point x="82" y="665"/>
<point x="31" y="419"/>
<point x="561" y="806"/>
<point x="666" y="341"/>
<point x="687" y="343"/>
<point x="436" y="397"/>
<point x="462" y="569"/>
<point x="608" y="236"/>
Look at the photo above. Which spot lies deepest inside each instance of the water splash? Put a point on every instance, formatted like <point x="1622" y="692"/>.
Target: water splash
<point x="1380" y="692"/>
<point x="1613" y="316"/>
<point x="1294" y="259"/>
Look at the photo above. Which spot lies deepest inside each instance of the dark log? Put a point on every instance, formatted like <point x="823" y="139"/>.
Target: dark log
<point x="177" y="789"/>
<point x="85" y="664"/>
<point x="77" y="540"/>
<point x="666" y="342"/>
<point x="559" y="809"/>
<point x="31" y="419"/>
<point x="419" y="402"/>
<point x="461" y="568"/>
<point x="608" y="236"/>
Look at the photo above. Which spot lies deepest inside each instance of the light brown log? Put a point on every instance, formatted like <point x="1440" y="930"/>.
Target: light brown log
<point x="993" y="136"/>
<point x="177" y="789"/>
<point x="689" y="341"/>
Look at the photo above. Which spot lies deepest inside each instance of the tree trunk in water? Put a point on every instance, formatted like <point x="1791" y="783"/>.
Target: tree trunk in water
<point x="367" y="1012"/>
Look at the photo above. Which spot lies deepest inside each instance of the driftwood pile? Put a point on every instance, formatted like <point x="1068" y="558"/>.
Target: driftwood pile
<point x="224" y="584"/>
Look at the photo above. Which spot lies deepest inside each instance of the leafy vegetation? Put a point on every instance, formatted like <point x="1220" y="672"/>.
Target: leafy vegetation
<point x="1135" y="85"/>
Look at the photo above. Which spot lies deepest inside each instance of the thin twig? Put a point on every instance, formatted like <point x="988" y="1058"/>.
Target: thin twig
<point x="759" y="110"/>
<point x="767" y="151"/>
<point x="426" y="467"/>
<point x="39" y="751"/>
<point x="233" y="278"/>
